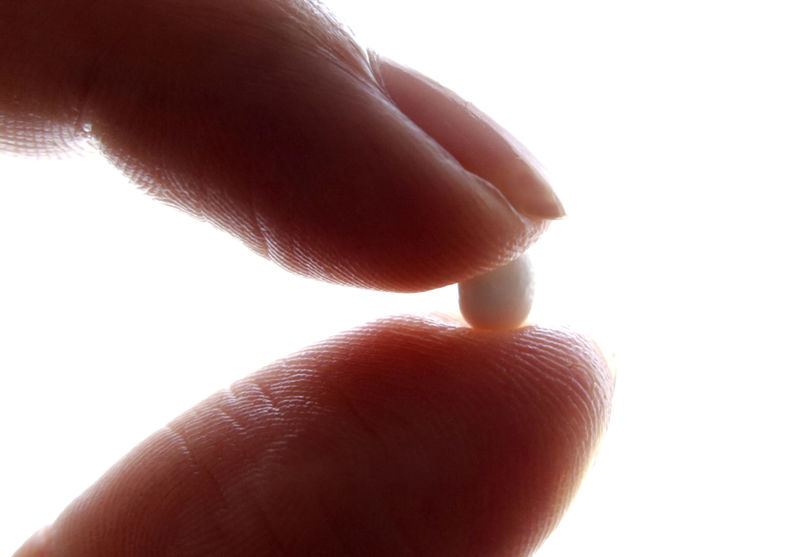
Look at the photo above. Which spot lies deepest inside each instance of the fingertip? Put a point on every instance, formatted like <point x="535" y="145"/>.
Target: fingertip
<point x="268" y="121"/>
<point x="408" y="435"/>
<point x="479" y="143"/>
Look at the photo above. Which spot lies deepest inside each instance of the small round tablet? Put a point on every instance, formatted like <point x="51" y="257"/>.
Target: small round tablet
<point x="500" y="299"/>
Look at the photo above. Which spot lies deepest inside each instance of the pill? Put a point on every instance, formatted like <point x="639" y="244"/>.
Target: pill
<point x="500" y="299"/>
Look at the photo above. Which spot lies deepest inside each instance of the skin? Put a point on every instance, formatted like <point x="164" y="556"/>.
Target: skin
<point x="408" y="436"/>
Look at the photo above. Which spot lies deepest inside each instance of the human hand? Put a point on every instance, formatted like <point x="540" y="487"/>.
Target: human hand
<point x="408" y="436"/>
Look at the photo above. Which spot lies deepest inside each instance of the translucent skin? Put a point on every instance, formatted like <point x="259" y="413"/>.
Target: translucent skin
<point x="407" y="436"/>
<point x="500" y="299"/>
<point x="269" y="121"/>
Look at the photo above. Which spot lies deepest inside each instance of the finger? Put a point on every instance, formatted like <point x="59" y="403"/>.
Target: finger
<point x="266" y="119"/>
<point x="455" y="125"/>
<point x="406" y="437"/>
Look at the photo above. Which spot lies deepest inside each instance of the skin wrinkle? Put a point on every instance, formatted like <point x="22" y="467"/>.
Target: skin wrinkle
<point x="252" y="476"/>
<point x="233" y="490"/>
<point x="402" y="532"/>
<point x="184" y="448"/>
<point x="264" y="245"/>
<point x="324" y="511"/>
<point x="275" y="417"/>
<point x="258" y="399"/>
<point x="340" y="48"/>
<point x="266" y="408"/>
<point x="351" y="406"/>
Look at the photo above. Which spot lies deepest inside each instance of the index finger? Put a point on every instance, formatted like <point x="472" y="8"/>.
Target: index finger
<point x="266" y="119"/>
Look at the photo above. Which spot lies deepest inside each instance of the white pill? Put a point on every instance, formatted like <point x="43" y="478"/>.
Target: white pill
<point x="500" y="299"/>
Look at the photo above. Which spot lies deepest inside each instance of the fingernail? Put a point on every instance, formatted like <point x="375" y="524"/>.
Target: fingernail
<point x="477" y="142"/>
<point x="520" y="177"/>
<point x="528" y="191"/>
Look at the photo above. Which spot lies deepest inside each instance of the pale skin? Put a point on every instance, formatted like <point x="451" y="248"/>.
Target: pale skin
<point x="408" y="436"/>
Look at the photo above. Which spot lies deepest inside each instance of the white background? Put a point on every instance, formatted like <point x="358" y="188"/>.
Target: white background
<point x="671" y="131"/>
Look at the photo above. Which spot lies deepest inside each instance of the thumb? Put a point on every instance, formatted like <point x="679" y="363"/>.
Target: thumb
<point x="404" y="437"/>
<point x="266" y="119"/>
